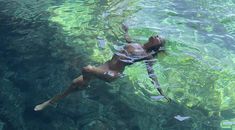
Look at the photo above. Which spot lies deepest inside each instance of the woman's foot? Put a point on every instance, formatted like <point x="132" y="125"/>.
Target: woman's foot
<point x="42" y="106"/>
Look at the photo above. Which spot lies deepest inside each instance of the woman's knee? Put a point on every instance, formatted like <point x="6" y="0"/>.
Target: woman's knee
<point x="79" y="82"/>
<point x="87" y="69"/>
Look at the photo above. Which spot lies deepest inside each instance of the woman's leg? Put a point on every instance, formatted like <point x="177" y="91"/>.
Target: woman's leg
<point x="101" y="72"/>
<point x="81" y="82"/>
<point x="77" y="84"/>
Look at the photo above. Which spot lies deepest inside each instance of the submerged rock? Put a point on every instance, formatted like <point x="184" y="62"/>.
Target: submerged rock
<point x="2" y="125"/>
<point x="96" y="125"/>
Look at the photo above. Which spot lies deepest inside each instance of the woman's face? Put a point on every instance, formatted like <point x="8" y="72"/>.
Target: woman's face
<point x="155" y="42"/>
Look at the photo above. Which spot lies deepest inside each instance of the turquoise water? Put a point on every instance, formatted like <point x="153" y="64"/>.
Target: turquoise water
<point x="45" y="43"/>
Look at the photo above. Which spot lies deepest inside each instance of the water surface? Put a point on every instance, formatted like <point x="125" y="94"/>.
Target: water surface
<point x="45" y="43"/>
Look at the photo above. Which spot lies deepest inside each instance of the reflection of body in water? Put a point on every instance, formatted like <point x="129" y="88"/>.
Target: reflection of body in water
<point x="112" y="69"/>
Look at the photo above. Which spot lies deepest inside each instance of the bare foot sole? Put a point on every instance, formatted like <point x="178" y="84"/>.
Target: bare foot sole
<point x="42" y="106"/>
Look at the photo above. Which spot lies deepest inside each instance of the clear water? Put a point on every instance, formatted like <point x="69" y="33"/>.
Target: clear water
<point x="45" y="43"/>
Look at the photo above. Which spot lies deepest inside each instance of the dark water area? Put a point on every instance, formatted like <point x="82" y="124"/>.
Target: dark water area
<point x="44" y="45"/>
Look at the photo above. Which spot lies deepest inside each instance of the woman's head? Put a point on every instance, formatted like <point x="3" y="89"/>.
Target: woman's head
<point x="154" y="43"/>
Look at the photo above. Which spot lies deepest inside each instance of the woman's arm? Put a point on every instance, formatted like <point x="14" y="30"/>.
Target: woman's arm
<point x="128" y="59"/>
<point x="153" y="77"/>
<point x="126" y="35"/>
